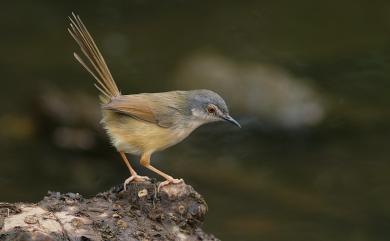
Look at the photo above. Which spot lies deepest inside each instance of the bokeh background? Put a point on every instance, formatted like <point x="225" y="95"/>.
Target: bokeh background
<point x="308" y="80"/>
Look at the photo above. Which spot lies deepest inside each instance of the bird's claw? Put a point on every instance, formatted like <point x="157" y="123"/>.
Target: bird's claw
<point x="169" y="181"/>
<point x="134" y="178"/>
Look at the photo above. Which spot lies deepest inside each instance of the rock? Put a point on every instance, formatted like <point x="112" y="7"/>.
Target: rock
<point x="175" y="213"/>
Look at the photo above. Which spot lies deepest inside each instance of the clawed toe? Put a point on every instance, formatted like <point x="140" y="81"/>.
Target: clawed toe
<point x="134" y="178"/>
<point x="176" y="181"/>
<point x="169" y="181"/>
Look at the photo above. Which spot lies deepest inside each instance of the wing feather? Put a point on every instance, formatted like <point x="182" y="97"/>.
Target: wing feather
<point x="132" y="105"/>
<point x="159" y="110"/>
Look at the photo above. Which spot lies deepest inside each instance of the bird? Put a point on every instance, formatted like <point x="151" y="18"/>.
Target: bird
<point x="144" y="123"/>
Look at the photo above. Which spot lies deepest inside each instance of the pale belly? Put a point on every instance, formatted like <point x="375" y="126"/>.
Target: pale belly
<point x="136" y="137"/>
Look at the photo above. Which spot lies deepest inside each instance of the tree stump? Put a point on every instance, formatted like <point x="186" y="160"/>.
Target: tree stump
<point x="139" y="213"/>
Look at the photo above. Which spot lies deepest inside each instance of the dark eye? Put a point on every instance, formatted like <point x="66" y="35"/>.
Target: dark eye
<point x="211" y="109"/>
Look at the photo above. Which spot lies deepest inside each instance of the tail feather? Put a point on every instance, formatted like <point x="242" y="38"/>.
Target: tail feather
<point x="100" y="71"/>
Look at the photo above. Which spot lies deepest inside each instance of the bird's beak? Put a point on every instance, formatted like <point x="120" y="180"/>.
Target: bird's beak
<point x="231" y="120"/>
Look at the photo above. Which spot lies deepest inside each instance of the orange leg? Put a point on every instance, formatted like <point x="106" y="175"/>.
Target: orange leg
<point x="134" y="176"/>
<point x="145" y="161"/>
<point x="124" y="158"/>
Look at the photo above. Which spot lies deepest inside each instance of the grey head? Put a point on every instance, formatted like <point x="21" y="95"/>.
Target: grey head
<point x="207" y="106"/>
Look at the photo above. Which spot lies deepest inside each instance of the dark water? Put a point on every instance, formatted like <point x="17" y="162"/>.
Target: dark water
<point x="322" y="179"/>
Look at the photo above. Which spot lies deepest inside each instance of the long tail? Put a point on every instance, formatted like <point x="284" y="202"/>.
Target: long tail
<point x="105" y="83"/>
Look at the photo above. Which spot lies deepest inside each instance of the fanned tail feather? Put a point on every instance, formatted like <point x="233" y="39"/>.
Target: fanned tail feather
<point x="100" y="71"/>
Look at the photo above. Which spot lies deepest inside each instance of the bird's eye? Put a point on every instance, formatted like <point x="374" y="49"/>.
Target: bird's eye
<point x="210" y="109"/>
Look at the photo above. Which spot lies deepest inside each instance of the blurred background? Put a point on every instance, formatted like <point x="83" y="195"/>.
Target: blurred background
<point x="308" y="80"/>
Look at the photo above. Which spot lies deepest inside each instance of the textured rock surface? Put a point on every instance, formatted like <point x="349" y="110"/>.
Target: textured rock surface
<point x="140" y="213"/>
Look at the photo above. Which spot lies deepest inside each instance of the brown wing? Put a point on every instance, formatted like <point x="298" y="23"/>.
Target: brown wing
<point x="136" y="106"/>
<point x="147" y="107"/>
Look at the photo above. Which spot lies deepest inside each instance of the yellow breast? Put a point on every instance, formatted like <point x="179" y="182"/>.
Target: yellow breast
<point x="136" y="137"/>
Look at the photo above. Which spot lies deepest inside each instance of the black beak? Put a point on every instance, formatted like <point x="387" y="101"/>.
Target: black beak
<point x="231" y="120"/>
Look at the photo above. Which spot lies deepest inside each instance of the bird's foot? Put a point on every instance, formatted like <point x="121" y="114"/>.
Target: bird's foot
<point x="134" y="178"/>
<point x="169" y="181"/>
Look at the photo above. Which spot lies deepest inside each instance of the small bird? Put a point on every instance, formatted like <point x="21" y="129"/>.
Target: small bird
<point x="145" y="123"/>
